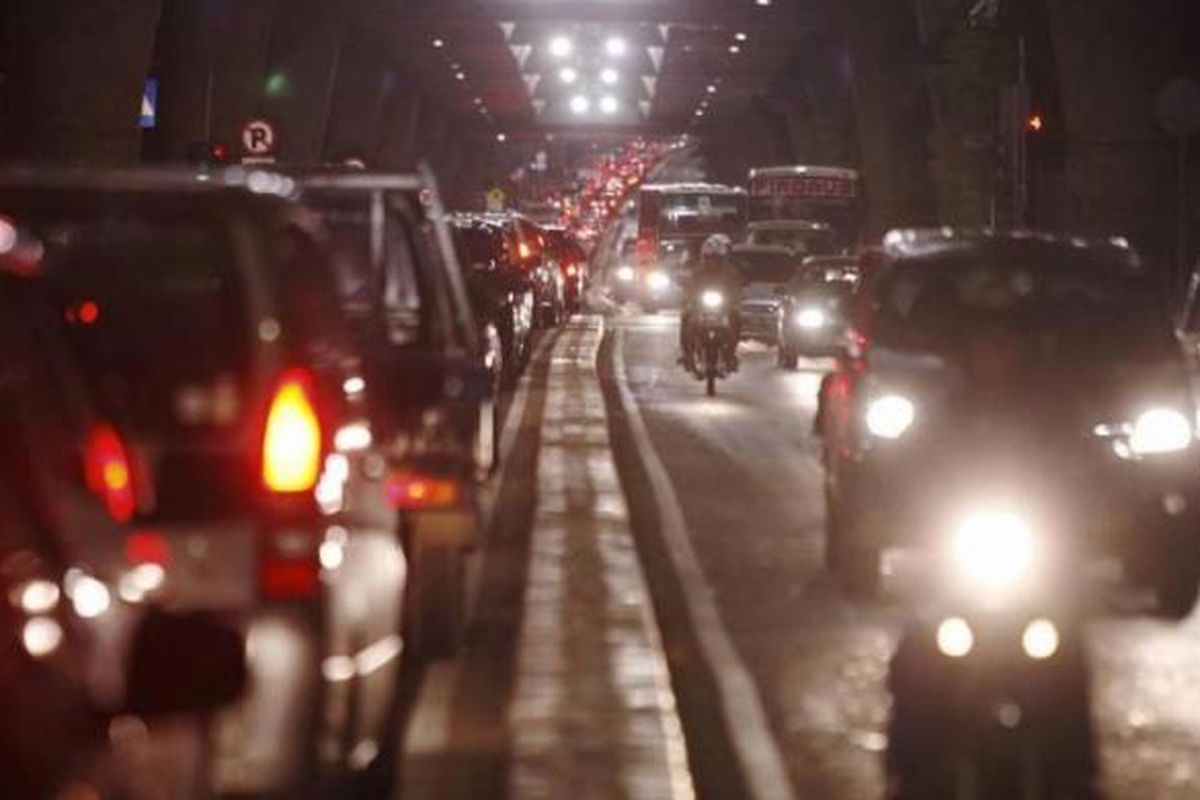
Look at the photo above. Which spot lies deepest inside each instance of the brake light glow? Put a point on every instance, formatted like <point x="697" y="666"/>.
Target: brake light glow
<point x="108" y="473"/>
<point x="409" y="492"/>
<point x="524" y="251"/>
<point x="291" y="454"/>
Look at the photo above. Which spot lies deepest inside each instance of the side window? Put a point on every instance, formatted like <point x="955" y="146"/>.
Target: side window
<point x="404" y="308"/>
<point x="461" y="318"/>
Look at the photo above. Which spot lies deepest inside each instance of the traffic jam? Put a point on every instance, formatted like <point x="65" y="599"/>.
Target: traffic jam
<point x="550" y="400"/>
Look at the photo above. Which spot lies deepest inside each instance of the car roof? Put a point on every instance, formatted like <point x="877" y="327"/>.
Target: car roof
<point x="802" y="169"/>
<point x="831" y="261"/>
<point x="317" y="178"/>
<point x="788" y="225"/>
<point x="179" y="180"/>
<point x="765" y="249"/>
<point x="931" y="243"/>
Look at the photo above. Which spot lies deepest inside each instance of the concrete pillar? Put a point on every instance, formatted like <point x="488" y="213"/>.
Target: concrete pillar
<point x="891" y="112"/>
<point x="81" y="77"/>
<point x="213" y="58"/>
<point x="306" y="49"/>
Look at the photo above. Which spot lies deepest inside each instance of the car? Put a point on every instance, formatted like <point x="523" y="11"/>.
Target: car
<point x="802" y="237"/>
<point x="1054" y="352"/>
<point x="568" y="255"/>
<point x="79" y="643"/>
<point x="764" y="269"/>
<point x="813" y="307"/>
<point x="526" y="244"/>
<point x="501" y="290"/>
<point x="203" y="312"/>
<point x="434" y="378"/>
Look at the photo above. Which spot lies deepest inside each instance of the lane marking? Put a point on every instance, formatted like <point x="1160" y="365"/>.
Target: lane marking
<point x="593" y="713"/>
<point x="755" y="747"/>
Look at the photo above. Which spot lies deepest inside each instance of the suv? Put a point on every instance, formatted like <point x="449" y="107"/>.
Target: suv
<point x="434" y="383"/>
<point x="500" y="290"/>
<point x="1036" y="375"/>
<point x="238" y="447"/>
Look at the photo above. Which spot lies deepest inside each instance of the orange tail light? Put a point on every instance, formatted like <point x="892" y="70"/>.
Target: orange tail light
<point x="409" y="492"/>
<point x="292" y="441"/>
<point x="108" y="472"/>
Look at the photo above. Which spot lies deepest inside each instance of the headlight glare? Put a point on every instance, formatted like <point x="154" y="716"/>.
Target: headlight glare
<point x="993" y="548"/>
<point x="810" y="318"/>
<point x="888" y="417"/>
<point x="712" y="299"/>
<point x="658" y="280"/>
<point x="954" y="637"/>
<point x="626" y="274"/>
<point x="1160" y="430"/>
<point x="1040" y="639"/>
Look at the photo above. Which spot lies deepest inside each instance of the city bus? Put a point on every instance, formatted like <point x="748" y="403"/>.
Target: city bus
<point x="828" y="196"/>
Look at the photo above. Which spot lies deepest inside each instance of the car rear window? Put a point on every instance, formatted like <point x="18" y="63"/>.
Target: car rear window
<point x="155" y="311"/>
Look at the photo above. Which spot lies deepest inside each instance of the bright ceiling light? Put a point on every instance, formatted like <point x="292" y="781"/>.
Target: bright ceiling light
<point x="712" y="88"/>
<point x="609" y="104"/>
<point x="501" y="137"/>
<point x="561" y="46"/>
<point x="763" y="2"/>
<point x="568" y="75"/>
<point x="438" y="43"/>
<point x="615" y="46"/>
<point x="733" y="48"/>
<point x="580" y="104"/>
<point x="699" y="112"/>
<point x="609" y="76"/>
<point x="740" y="36"/>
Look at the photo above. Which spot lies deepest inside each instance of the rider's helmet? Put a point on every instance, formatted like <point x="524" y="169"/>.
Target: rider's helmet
<point x="715" y="247"/>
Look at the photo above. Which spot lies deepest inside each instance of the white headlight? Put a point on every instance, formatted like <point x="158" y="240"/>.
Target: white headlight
<point x="41" y="636"/>
<point x="712" y="299"/>
<point x="38" y="596"/>
<point x="1160" y="430"/>
<point x="810" y="318"/>
<point x="1040" y="639"/>
<point x="993" y="548"/>
<point x="888" y="417"/>
<point x="658" y="280"/>
<point x="954" y="637"/>
<point x="626" y="274"/>
<point x="89" y="596"/>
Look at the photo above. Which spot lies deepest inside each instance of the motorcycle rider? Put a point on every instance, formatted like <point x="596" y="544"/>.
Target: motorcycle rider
<point x="715" y="271"/>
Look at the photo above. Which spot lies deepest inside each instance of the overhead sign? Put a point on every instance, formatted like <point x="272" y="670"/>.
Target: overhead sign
<point x="260" y="142"/>
<point x="808" y="186"/>
<point x="148" y="117"/>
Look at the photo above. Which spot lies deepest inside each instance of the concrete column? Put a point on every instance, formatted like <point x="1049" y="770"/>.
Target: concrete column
<point x="306" y="49"/>
<point x="213" y="58"/>
<point x="81" y="77"/>
<point x="891" y="111"/>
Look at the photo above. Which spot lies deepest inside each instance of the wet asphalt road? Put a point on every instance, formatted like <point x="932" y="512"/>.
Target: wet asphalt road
<point x="746" y="469"/>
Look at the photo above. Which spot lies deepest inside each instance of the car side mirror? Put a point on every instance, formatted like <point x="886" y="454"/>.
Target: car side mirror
<point x="183" y="663"/>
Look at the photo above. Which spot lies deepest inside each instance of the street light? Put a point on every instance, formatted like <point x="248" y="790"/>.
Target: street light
<point x="561" y="46"/>
<point x="609" y="104"/>
<point x="609" y="76"/>
<point x="580" y="104"/>
<point x="615" y="46"/>
<point x="568" y="75"/>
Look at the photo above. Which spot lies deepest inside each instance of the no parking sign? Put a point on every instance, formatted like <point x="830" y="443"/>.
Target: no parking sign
<point x="260" y="142"/>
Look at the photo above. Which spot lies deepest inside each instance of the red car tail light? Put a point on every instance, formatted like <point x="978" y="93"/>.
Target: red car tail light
<point x="292" y="438"/>
<point x="411" y="492"/>
<point x="289" y="568"/>
<point x="108" y="471"/>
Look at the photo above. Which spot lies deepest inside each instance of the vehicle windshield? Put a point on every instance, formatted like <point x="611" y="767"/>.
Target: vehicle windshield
<point x="137" y="284"/>
<point x="764" y="267"/>
<point x="812" y="243"/>
<point x="701" y="213"/>
<point x="1066" y="312"/>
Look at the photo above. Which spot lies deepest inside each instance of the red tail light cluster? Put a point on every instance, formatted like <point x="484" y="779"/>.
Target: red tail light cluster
<point x="292" y="444"/>
<point x="411" y="492"/>
<point x="109" y="473"/>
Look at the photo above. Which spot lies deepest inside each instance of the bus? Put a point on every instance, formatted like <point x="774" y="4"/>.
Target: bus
<point x="674" y="219"/>
<point x="830" y="196"/>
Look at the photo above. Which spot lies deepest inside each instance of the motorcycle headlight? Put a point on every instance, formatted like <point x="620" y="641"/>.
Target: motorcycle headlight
<point x="1160" y="430"/>
<point x="810" y="318"/>
<point x="712" y="299"/>
<point x="1040" y="639"/>
<point x="993" y="549"/>
<point x="888" y="417"/>
<point x="658" y="280"/>
<point x="625" y="274"/>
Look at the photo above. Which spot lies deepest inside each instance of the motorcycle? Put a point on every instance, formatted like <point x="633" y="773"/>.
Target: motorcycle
<point x="712" y="329"/>
<point x="990" y="681"/>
